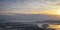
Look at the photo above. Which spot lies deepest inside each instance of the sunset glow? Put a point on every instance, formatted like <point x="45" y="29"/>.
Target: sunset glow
<point x="30" y="7"/>
<point x="58" y="12"/>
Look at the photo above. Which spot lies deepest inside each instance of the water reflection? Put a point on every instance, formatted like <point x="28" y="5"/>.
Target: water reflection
<point x="55" y="26"/>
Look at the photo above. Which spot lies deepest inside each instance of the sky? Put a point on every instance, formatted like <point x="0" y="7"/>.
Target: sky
<point x="29" y="6"/>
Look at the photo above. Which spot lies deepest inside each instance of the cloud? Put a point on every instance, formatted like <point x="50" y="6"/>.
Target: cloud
<point x="27" y="5"/>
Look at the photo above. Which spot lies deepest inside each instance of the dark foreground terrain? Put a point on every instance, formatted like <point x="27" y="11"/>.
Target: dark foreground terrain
<point x="20" y="26"/>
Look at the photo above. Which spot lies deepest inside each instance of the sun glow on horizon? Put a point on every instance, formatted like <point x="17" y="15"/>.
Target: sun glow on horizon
<point x="58" y="12"/>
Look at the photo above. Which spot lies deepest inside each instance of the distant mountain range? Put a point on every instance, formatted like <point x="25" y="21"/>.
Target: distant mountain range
<point x="49" y="21"/>
<point x="29" y="17"/>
